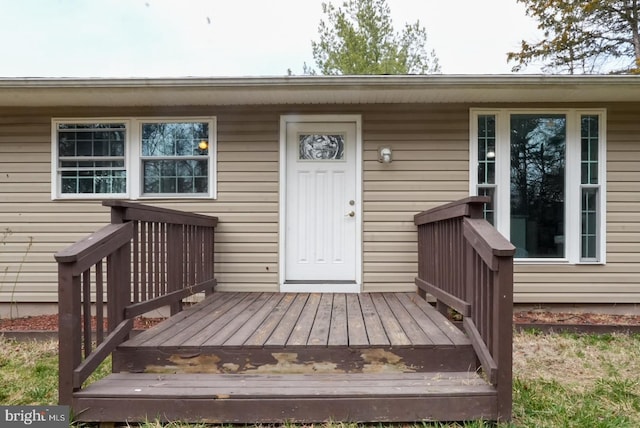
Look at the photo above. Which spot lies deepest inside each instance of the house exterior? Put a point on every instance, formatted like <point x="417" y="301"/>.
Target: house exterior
<point x="316" y="180"/>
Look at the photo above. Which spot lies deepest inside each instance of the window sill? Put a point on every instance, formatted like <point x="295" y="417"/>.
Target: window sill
<point x="101" y="197"/>
<point x="563" y="261"/>
<point x="173" y="197"/>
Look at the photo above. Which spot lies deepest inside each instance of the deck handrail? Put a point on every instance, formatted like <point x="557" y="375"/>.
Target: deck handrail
<point x="466" y="265"/>
<point x="154" y="257"/>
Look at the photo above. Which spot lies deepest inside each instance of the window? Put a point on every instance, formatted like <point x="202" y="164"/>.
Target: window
<point x="91" y="158"/>
<point x="175" y="157"/>
<point x="544" y="172"/>
<point x="133" y="158"/>
<point x="590" y="187"/>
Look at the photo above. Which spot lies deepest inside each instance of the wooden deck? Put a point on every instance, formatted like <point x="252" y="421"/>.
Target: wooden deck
<point x="284" y="350"/>
<point x="271" y="357"/>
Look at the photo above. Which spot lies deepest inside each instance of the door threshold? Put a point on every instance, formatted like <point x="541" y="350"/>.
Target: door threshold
<point x="320" y="287"/>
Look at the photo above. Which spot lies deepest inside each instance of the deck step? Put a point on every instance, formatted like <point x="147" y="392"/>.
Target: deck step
<point x="295" y="359"/>
<point x="277" y="398"/>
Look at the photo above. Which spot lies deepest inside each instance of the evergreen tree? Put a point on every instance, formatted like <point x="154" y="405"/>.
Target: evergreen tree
<point x="359" y="38"/>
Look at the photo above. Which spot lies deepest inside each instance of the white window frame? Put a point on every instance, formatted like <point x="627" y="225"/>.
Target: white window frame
<point x="573" y="184"/>
<point x="133" y="158"/>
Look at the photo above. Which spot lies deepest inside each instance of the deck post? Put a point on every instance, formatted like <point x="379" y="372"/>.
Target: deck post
<point x="503" y="336"/>
<point x="117" y="214"/>
<point x="69" y="348"/>
<point x="119" y="278"/>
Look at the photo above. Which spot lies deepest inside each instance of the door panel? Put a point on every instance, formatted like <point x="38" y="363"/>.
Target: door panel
<point x="321" y="229"/>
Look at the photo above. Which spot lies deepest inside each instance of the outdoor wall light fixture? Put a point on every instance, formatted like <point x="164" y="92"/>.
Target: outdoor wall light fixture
<point x="385" y="155"/>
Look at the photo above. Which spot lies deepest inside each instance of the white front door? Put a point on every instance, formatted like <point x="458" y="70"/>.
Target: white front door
<point x="322" y="207"/>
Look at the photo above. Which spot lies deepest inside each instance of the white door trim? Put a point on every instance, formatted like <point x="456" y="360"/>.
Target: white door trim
<point x="319" y="287"/>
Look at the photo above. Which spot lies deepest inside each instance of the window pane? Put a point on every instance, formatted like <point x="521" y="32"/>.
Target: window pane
<point x="489" y="208"/>
<point x="168" y="168"/>
<point x="117" y="148"/>
<point x="321" y="147"/>
<point x="538" y="147"/>
<point x="175" y="139"/>
<point x="84" y="148"/>
<point x="589" y="232"/>
<point x="93" y="182"/>
<point x="102" y="167"/>
<point x="151" y="184"/>
<point x="486" y="149"/>
<point x="589" y="149"/>
<point x="168" y="185"/>
<point x="176" y="176"/>
<point x="175" y="157"/>
<point x="66" y="144"/>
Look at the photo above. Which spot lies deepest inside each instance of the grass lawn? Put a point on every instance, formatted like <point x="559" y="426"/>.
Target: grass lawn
<point x="560" y="380"/>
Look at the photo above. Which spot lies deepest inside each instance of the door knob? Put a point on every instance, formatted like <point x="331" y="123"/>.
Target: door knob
<point x="351" y="213"/>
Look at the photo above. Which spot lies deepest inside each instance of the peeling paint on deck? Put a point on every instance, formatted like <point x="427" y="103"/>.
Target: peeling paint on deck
<point x="383" y="361"/>
<point x="371" y="361"/>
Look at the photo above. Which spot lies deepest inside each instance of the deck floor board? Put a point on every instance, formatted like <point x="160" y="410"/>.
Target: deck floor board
<point x="451" y="332"/>
<point x="288" y="322"/>
<point x="232" y="328"/>
<point x="166" y="329"/>
<point x="304" y="320"/>
<point x="412" y="329"/>
<point x="373" y="324"/>
<point x="395" y="333"/>
<point x="251" y="325"/>
<point x="210" y="321"/>
<point x="302" y="330"/>
<point x="338" y="331"/>
<point x="357" y="330"/>
<point x="319" y="335"/>
<point x="225" y="324"/>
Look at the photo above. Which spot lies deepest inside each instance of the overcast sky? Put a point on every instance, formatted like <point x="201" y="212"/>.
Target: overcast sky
<point x="178" y="38"/>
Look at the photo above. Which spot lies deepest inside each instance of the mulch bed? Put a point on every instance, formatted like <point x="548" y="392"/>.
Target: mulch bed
<point x="568" y="318"/>
<point x="524" y="318"/>
<point x="592" y="323"/>
<point x="50" y="323"/>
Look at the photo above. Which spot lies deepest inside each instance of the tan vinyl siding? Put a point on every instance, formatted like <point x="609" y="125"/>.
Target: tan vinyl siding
<point x="32" y="229"/>
<point x="247" y="202"/>
<point x="430" y="166"/>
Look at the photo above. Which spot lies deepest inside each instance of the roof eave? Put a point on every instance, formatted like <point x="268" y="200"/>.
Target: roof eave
<point x="317" y="90"/>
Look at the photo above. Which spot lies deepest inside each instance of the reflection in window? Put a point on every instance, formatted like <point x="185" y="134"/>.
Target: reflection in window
<point x="321" y="147"/>
<point x="91" y="158"/>
<point x="175" y="157"/>
<point x="538" y="152"/>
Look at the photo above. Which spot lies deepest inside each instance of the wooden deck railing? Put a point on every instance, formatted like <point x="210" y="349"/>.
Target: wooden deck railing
<point x="467" y="265"/>
<point x="154" y="257"/>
